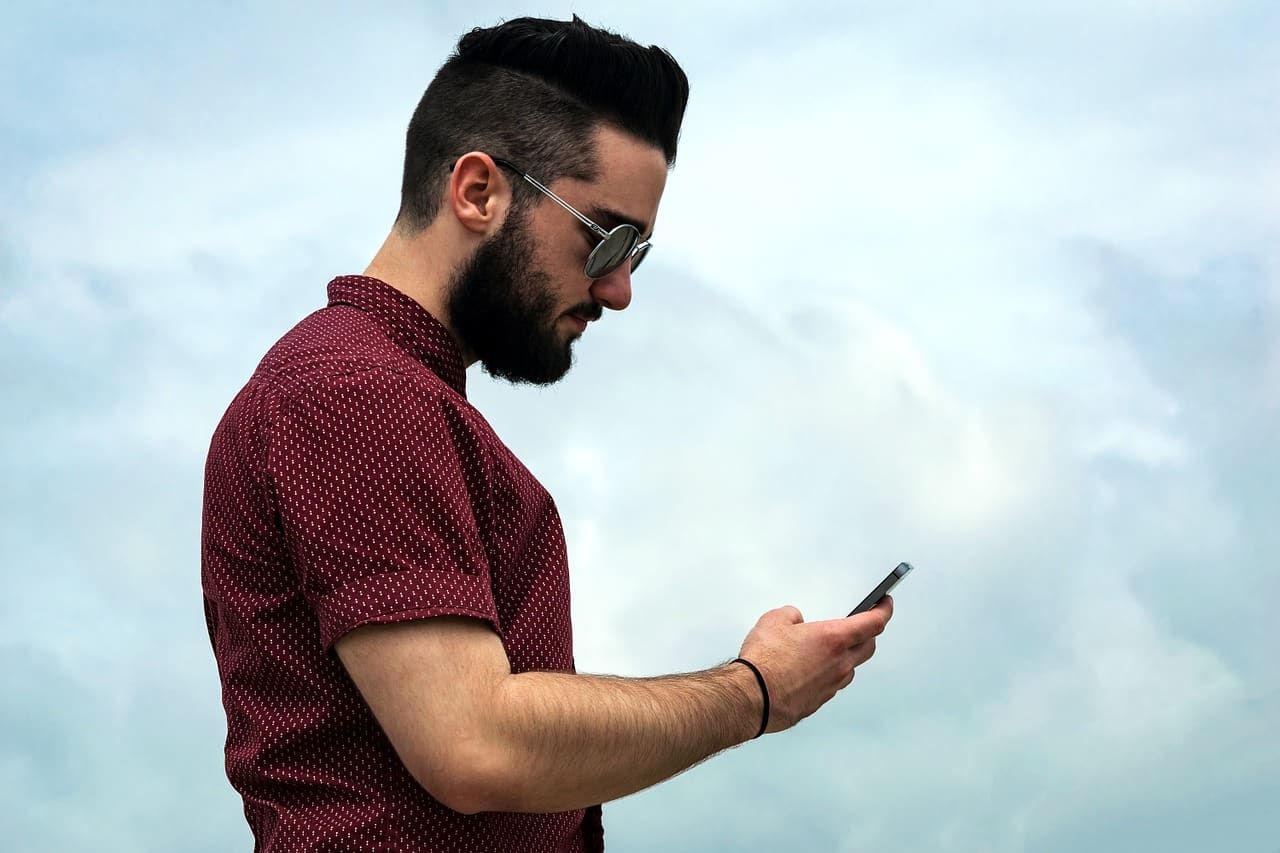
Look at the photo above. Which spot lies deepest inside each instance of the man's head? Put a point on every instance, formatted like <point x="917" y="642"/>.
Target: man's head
<point x="592" y="116"/>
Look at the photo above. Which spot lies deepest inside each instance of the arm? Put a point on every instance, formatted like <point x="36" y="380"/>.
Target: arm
<point x="478" y="738"/>
<point x="574" y="740"/>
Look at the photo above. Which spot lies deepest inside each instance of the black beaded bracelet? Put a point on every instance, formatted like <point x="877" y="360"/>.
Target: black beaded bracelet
<point x="764" y="719"/>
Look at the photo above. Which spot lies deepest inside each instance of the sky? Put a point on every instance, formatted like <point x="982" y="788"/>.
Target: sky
<point x="990" y="288"/>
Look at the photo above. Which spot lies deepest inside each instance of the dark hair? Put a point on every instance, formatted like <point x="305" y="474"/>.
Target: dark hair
<point x="533" y="91"/>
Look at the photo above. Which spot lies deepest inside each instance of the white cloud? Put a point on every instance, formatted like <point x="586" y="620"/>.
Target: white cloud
<point x="1140" y="443"/>
<point x="869" y="336"/>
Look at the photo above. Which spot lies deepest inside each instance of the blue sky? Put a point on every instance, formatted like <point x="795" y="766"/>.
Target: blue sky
<point x="990" y="288"/>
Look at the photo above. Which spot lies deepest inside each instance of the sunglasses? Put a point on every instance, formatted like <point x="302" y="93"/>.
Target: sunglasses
<point x="618" y="244"/>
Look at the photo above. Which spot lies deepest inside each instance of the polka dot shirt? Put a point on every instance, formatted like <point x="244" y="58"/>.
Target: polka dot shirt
<point x="350" y="482"/>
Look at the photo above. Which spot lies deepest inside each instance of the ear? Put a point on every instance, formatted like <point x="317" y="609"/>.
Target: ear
<point x="478" y="193"/>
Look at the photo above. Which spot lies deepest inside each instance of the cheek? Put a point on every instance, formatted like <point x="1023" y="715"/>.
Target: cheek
<point x="562" y="252"/>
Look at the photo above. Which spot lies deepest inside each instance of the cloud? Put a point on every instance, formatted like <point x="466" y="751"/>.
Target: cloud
<point x="927" y="286"/>
<point x="79" y="771"/>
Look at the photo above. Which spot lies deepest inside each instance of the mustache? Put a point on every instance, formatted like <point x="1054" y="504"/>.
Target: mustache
<point x="588" y="311"/>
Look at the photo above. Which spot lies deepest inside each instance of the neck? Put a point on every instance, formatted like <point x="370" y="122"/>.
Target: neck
<point x="420" y="266"/>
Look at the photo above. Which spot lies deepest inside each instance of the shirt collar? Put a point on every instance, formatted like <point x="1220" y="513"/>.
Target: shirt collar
<point x="410" y="326"/>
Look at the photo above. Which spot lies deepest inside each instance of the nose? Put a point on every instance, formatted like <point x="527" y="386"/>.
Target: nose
<point x="614" y="290"/>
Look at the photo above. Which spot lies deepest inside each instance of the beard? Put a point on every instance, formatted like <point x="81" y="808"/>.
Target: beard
<point x="504" y="310"/>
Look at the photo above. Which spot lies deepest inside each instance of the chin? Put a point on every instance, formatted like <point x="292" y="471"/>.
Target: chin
<point x="545" y="373"/>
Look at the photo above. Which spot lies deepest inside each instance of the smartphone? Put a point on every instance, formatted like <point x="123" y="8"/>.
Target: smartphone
<point x="890" y="581"/>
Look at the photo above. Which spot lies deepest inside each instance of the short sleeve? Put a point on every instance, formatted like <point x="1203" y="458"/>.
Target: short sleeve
<point x="378" y="481"/>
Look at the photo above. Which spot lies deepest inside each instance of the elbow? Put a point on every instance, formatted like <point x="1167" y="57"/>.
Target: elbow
<point x="470" y="781"/>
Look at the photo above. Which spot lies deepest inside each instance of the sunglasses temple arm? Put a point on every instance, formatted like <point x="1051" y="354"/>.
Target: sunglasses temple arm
<point x="576" y="215"/>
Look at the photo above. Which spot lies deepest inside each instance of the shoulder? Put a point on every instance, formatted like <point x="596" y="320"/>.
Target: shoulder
<point x="331" y="342"/>
<point x="339" y="373"/>
<point x="343" y="350"/>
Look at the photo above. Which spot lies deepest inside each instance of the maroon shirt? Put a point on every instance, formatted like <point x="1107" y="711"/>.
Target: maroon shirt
<point x="350" y="482"/>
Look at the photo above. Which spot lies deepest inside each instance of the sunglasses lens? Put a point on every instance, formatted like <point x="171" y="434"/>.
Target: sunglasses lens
<point x="612" y="250"/>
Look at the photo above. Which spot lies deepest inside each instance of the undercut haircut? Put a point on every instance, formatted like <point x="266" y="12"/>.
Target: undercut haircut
<point x="533" y="91"/>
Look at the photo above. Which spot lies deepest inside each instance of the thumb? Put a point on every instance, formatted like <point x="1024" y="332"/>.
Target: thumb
<point x="785" y="615"/>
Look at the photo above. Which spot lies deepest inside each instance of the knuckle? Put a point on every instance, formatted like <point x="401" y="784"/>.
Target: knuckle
<point x="863" y="634"/>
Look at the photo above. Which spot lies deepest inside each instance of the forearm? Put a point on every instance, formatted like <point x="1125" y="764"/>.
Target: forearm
<point x="567" y="741"/>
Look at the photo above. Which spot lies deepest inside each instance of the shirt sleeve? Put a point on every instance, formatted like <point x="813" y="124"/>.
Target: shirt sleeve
<point x="378" y="477"/>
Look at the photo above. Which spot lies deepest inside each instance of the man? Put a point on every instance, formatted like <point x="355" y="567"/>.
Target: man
<point x="386" y="586"/>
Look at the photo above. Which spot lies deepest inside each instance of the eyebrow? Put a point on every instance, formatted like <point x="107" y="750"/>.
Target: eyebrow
<point x="608" y="218"/>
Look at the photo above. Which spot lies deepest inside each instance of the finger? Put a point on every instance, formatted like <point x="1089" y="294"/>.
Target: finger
<point x="862" y="625"/>
<point x="862" y="652"/>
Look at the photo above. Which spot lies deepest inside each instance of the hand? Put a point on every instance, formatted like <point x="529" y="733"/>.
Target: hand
<point x="804" y="664"/>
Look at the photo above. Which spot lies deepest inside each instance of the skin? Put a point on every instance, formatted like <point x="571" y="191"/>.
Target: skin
<point x="475" y="735"/>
